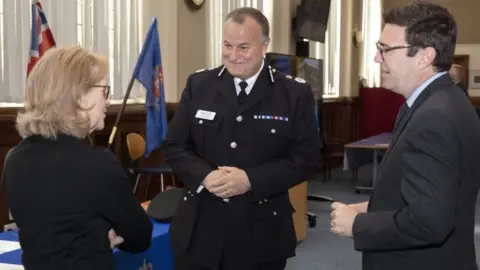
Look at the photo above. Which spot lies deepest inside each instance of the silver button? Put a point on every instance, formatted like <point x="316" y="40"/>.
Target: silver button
<point x="184" y="198"/>
<point x="265" y="200"/>
<point x="233" y="145"/>
<point x="273" y="130"/>
<point x="239" y="118"/>
<point x="260" y="202"/>
<point x="274" y="213"/>
<point x="200" y="122"/>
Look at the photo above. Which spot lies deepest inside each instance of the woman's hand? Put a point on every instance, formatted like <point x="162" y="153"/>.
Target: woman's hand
<point x="115" y="240"/>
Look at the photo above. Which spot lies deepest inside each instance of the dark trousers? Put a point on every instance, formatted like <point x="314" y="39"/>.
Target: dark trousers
<point x="184" y="263"/>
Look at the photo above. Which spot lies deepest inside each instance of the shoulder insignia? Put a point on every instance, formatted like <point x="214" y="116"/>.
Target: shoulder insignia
<point x="271" y="71"/>
<point x="300" y="80"/>
<point x="221" y="71"/>
<point x="200" y="70"/>
<point x="289" y="76"/>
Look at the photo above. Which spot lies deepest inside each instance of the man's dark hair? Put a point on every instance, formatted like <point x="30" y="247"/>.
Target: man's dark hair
<point x="238" y="15"/>
<point x="427" y="25"/>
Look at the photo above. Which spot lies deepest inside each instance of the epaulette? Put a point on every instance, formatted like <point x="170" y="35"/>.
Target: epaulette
<point x="201" y="70"/>
<point x="300" y="80"/>
<point x="297" y="79"/>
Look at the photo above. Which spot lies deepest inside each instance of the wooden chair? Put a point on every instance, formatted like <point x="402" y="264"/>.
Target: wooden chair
<point x="136" y="149"/>
<point x="332" y="153"/>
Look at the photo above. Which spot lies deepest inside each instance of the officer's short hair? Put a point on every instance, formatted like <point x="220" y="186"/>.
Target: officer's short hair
<point x="238" y="15"/>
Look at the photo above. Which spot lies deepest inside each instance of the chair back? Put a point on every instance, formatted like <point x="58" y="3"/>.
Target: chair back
<point x="135" y="146"/>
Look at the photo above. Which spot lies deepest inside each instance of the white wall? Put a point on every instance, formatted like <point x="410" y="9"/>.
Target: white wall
<point x="473" y="50"/>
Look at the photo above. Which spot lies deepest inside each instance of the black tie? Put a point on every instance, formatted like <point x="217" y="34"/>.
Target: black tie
<point x="401" y="113"/>
<point x="242" y="95"/>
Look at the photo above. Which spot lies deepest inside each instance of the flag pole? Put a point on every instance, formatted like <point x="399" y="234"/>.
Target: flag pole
<point x="130" y="84"/>
<point x="120" y="113"/>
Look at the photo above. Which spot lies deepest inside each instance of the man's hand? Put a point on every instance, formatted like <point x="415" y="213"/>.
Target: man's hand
<point x="212" y="177"/>
<point x="115" y="240"/>
<point x="234" y="182"/>
<point x="361" y="207"/>
<point x="343" y="217"/>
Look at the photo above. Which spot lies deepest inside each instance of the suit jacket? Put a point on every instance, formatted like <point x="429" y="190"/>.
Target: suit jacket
<point x="463" y="88"/>
<point x="272" y="136"/>
<point x="421" y="213"/>
<point x="65" y="196"/>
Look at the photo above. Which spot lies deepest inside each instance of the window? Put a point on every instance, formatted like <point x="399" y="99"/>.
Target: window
<point x="109" y="27"/>
<point x="371" y="24"/>
<point x="217" y="12"/>
<point x="330" y="51"/>
<point x="2" y="45"/>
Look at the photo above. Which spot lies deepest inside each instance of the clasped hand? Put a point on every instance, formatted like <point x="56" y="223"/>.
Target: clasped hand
<point x="226" y="182"/>
<point x="343" y="217"/>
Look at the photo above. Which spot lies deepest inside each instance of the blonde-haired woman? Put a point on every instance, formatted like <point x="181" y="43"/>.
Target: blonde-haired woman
<point x="70" y="201"/>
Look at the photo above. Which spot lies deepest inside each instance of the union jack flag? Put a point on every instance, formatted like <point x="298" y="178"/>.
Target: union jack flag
<point x="42" y="38"/>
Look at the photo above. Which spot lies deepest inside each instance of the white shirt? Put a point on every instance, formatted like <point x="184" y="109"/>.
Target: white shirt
<point x="413" y="96"/>
<point x="250" y="81"/>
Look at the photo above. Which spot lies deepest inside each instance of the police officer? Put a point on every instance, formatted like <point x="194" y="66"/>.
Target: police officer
<point x="242" y="136"/>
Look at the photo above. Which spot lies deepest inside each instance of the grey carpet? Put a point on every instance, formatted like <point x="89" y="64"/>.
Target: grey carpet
<point x="323" y="251"/>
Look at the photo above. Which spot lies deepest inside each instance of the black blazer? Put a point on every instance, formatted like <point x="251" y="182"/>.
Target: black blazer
<point x="65" y="196"/>
<point x="422" y="211"/>
<point x="463" y="88"/>
<point x="276" y="154"/>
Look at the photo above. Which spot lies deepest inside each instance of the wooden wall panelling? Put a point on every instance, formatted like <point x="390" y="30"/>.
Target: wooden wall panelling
<point x="340" y="123"/>
<point x="341" y="118"/>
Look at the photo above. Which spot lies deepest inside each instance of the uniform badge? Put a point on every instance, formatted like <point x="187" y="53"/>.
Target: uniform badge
<point x="206" y="115"/>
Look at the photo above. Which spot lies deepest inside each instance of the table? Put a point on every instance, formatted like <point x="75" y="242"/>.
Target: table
<point x="357" y="154"/>
<point x="298" y="198"/>
<point x="158" y="256"/>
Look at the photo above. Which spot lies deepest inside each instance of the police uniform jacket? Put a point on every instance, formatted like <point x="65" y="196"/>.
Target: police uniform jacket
<point x="272" y="135"/>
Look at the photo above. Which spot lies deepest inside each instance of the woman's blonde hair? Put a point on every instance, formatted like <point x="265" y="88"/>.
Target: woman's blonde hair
<point x="54" y="89"/>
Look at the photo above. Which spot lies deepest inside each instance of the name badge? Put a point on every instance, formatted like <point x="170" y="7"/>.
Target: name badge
<point x="201" y="114"/>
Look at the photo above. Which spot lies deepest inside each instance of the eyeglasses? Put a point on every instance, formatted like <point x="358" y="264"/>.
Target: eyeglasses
<point x="383" y="50"/>
<point x="106" y="89"/>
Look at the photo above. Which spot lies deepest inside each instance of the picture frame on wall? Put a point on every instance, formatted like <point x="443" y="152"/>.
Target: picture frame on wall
<point x="474" y="79"/>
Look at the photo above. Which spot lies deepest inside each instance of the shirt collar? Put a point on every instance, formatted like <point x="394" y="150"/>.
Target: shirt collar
<point x="414" y="95"/>
<point x="250" y="81"/>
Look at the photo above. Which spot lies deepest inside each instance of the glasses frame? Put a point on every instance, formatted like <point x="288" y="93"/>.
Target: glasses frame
<point x="388" y="49"/>
<point x="106" y="89"/>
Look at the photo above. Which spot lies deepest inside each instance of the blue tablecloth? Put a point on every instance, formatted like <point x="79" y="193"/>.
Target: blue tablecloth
<point x="360" y="153"/>
<point x="158" y="256"/>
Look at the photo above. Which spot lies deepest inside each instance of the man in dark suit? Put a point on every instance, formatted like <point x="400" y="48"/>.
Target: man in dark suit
<point x="242" y="136"/>
<point x="421" y="214"/>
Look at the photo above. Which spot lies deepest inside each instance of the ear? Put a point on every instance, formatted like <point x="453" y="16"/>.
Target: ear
<point x="265" y="46"/>
<point x="427" y="57"/>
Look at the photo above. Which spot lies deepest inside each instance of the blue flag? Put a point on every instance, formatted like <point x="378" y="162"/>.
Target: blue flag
<point x="148" y="71"/>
